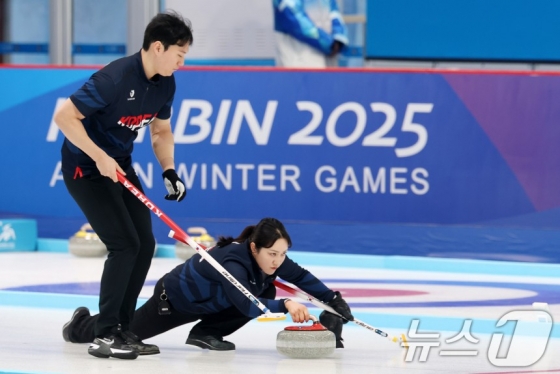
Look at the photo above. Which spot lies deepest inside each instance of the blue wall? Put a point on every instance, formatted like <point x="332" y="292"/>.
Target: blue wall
<point x="506" y="30"/>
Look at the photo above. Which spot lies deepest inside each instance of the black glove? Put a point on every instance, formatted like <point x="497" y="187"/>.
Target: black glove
<point x="341" y="307"/>
<point x="174" y="185"/>
<point x="336" y="48"/>
<point x="334" y="324"/>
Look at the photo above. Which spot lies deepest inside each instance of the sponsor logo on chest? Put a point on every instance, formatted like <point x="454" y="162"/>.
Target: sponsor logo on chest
<point x="136" y="122"/>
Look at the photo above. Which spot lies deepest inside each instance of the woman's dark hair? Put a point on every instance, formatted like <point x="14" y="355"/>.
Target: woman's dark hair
<point x="169" y="28"/>
<point x="264" y="234"/>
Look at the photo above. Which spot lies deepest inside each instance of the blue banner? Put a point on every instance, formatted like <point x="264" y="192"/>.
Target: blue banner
<point x="324" y="147"/>
<point x="18" y="235"/>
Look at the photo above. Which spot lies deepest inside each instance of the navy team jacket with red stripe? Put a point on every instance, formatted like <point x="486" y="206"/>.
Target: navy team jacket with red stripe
<point x="195" y="287"/>
<point x="117" y="101"/>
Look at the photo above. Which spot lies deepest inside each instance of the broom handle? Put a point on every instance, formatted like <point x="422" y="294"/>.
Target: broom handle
<point x="320" y="304"/>
<point x="178" y="234"/>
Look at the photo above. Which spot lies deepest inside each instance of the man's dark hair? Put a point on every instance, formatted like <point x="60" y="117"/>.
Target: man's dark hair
<point x="169" y="28"/>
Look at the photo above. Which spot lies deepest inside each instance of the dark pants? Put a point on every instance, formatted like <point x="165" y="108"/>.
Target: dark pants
<point x="148" y="323"/>
<point x="123" y="223"/>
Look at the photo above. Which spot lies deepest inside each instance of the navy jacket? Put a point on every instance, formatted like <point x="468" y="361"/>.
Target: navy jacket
<point x="195" y="287"/>
<point x="117" y="101"/>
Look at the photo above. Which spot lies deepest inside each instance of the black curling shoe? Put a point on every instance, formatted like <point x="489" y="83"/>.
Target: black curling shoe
<point x="112" y="346"/>
<point x="210" y="342"/>
<point x="143" y="349"/>
<point x="79" y="313"/>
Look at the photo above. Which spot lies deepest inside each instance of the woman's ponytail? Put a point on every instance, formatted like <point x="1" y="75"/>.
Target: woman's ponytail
<point x="245" y="234"/>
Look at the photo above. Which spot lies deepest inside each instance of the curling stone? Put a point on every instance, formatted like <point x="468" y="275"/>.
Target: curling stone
<point x="199" y="235"/>
<point x="313" y="341"/>
<point x="86" y="243"/>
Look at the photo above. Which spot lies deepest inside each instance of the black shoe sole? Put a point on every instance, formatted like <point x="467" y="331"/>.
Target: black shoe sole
<point x="148" y="354"/>
<point x="140" y="353"/>
<point x="105" y="351"/>
<point x="97" y="354"/>
<point x="202" y="344"/>
<point x="122" y="356"/>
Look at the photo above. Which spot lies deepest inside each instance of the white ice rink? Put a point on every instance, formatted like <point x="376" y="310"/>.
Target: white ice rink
<point x="39" y="291"/>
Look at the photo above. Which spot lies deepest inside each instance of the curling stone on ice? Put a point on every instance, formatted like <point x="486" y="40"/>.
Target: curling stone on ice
<point x="86" y="243"/>
<point x="313" y="341"/>
<point x="199" y="235"/>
